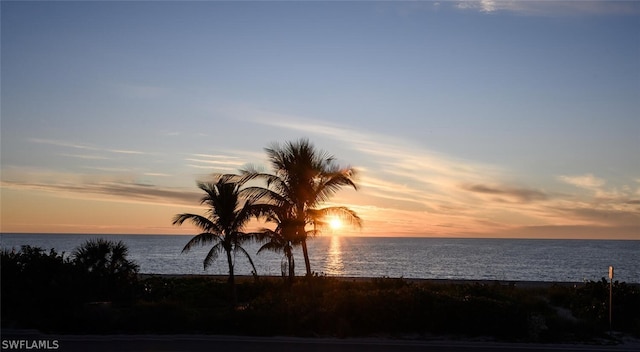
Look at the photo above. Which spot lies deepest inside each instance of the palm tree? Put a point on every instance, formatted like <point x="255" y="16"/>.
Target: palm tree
<point x="279" y="240"/>
<point x="229" y="209"/>
<point x="104" y="257"/>
<point x="303" y="178"/>
<point x="105" y="267"/>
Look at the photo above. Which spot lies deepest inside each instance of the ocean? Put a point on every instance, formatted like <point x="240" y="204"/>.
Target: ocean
<point x="421" y="258"/>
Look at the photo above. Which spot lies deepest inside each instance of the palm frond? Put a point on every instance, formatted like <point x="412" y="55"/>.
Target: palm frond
<point x="213" y="254"/>
<point x="242" y="217"/>
<point x="271" y="246"/>
<point x="205" y="224"/>
<point x="246" y="254"/>
<point x="201" y="240"/>
<point x="263" y="235"/>
<point x="251" y="173"/>
<point x="227" y="178"/>
<point x="210" y="190"/>
<point x="330" y="183"/>
<point x="275" y="190"/>
<point x="345" y="215"/>
<point x="265" y="211"/>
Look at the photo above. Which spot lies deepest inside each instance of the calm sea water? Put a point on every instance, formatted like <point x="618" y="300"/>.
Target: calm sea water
<point x="430" y="258"/>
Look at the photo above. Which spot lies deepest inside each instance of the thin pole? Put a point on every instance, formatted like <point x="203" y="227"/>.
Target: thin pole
<point x="610" y="300"/>
<point x="610" y="305"/>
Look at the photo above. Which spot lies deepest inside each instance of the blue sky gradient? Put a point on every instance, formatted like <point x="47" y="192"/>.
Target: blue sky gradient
<point x="472" y="118"/>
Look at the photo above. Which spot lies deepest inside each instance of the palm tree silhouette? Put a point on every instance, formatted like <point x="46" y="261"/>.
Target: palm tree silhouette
<point x="229" y="209"/>
<point x="304" y="177"/>
<point x="108" y="271"/>
<point x="282" y="239"/>
<point x="104" y="257"/>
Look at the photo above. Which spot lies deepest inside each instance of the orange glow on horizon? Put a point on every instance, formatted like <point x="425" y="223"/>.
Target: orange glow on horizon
<point x="34" y="211"/>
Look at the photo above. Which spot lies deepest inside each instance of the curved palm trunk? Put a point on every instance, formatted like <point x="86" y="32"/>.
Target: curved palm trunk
<point x="292" y="269"/>
<point x="305" y="253"/>
<point x="291" y="264"/>
<point x="302" y="235"/>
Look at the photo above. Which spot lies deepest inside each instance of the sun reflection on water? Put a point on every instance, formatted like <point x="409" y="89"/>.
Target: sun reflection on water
<point x="335" y="266"/>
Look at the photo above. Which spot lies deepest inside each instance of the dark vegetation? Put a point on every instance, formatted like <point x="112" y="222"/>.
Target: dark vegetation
<point x="52" y="291"/>
<point x="83" y="294"/>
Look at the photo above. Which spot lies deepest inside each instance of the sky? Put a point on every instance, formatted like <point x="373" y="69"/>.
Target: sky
<point x="463" y="118"/>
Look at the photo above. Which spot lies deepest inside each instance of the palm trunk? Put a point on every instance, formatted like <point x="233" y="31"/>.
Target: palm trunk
<point x="302" y="236"/>
<point x="290" y="263"/>
<point x="305" y="253"/>
<point x="232" y="281"/>
<point x="292" y="268"/>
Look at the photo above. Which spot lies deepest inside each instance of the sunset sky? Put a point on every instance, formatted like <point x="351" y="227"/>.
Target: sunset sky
<point x="473" y="119"/>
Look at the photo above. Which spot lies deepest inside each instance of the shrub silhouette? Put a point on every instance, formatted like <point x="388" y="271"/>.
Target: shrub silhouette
<point x="103" y="268"/>
<point x="35" y="284"/>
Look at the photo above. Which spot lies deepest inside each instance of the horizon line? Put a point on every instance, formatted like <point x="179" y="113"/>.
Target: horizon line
<point x="339" y="236"/>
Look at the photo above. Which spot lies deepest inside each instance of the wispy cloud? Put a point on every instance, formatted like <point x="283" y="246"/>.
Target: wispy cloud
<point x="119" y="170"/>
<point x="480" y="5"/>
<point x="73" y="145"/>
<point x="598" y="203"/>
<point x="215" y="162"/>
<point x="123" y="151"/>
<point x="572" y="231"/>
<point x="61" y="143"/>
<point x="507" y="194"/>
<point x="121" y="190"/>
<point x="222" y="169"/>
<point x="541" y="8"/>
<point x="584" y="181"/>
<point x="84" y="156"/>
<point x="551" y="8"/>
<point x="605" y="216"/>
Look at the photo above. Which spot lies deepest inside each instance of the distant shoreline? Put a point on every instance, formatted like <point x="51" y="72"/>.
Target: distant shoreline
<point x="515" y="283"/>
